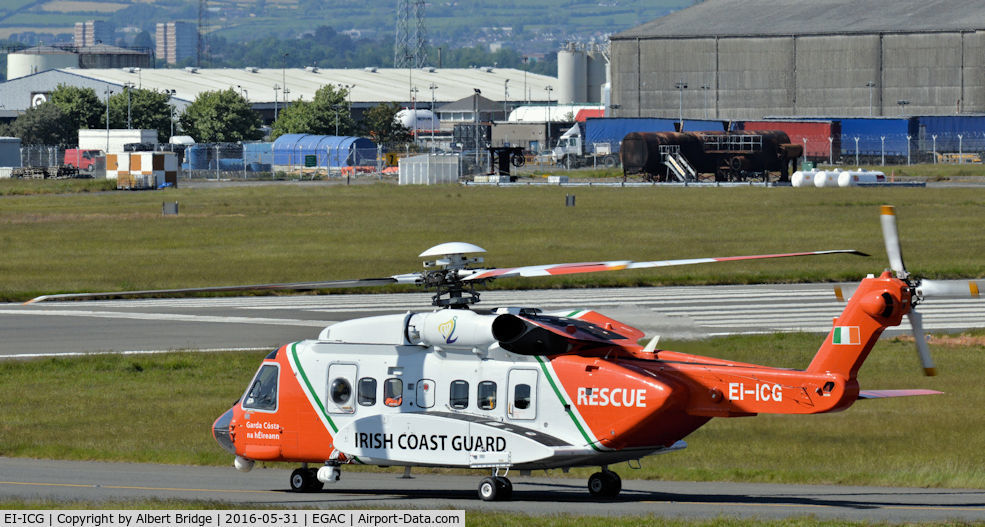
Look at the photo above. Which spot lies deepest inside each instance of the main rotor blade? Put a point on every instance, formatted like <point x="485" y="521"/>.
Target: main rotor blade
<point x="890" y="236"/>
<point x="916" y="322"/>
<point x="949" y="288"/>
<point x="298" y="286"/>
<point x="619" y="265"/>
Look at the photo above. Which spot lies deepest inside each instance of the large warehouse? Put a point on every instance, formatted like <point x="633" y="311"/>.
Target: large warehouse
<point x="746" y="59"/>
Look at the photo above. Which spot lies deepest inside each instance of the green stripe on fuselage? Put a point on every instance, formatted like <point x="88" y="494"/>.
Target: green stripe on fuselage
<point x="571" y="413"/>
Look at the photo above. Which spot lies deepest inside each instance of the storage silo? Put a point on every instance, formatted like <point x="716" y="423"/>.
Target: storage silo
<point x="37" y="59"/>
<point x="572" y="75"/>
<point x="597" y="74"/>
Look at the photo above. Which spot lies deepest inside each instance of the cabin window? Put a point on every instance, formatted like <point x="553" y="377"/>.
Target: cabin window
<point x="262" y="394"/>
<point x="487" y="395"/>
<point x="367" y="391"/>
<point x="341" y="391"/>
<point x="393" y="392"/>
<point x="459" y="396"/>
<point x="521" y="396"/>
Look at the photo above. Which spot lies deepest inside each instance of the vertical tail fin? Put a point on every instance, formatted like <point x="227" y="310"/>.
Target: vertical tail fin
<point x="878" y="303"/>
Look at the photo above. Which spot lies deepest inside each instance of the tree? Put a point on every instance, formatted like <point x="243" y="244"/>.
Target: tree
<point x="327" y="114"/>
<point x="44" y="124"/>
<point x="149" y="110"/>
<point x="143" y="40"/>
<point x="221" y="116"/>
<point x="80" y="106"/>
<point x="381" y="125"/>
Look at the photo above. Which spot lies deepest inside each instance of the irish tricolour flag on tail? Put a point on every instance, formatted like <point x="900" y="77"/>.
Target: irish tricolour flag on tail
<point x="846" y="335"/>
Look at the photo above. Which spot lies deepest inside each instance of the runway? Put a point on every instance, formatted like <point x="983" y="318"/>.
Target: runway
<point x="90" y="481"/>
<point x="266" y="322"/>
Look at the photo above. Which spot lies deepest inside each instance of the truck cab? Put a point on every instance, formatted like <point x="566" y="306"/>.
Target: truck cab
<point x="568" y="146"/>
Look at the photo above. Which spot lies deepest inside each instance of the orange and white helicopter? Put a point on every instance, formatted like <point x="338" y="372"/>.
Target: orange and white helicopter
<point x="517" y="388"/>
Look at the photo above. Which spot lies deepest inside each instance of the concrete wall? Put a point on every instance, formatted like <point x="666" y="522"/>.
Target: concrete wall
<point x="752" y="77"/>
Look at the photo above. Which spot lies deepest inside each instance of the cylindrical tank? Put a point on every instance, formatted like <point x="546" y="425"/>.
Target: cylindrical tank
<point x="572" y="75"/>
<point x="598" y="75"/>
<point x="425" y="119"/>
<point x="38" y="59"/>
<point x="826" y="178"/>
<point x="851" y="178"/>
<point x="803" y="178"/>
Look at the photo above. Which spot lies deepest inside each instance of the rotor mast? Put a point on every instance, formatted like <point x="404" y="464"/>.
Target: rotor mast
<point x="446" y="271"/>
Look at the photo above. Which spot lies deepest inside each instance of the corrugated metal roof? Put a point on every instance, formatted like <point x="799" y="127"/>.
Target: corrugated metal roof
<point x="796" y="17"/>
<point x="368" y="85"/>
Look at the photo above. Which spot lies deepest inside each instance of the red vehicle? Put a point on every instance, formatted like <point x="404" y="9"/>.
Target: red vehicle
<point x="81" y="159"/>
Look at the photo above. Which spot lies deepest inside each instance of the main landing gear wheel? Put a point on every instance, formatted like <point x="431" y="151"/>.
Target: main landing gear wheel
<point x="495" y="488"/>
<point x="605" y="484"/>
<point x="305" y="480"/>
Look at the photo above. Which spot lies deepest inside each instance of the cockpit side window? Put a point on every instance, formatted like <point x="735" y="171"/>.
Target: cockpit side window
<point x="262" y="394"/>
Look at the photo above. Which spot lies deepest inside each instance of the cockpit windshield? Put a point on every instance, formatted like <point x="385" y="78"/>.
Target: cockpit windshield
<point x="262" y="394"/>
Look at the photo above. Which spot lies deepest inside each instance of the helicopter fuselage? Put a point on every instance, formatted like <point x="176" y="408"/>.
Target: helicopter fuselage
<point x="521" y="389"/>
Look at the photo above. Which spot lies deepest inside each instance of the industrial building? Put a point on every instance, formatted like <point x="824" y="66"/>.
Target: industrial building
<point x="746" y="59"/>
<point x="268" y="89"/>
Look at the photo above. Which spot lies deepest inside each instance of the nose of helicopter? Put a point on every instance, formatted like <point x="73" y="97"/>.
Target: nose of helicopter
<point x="222" y="432"/>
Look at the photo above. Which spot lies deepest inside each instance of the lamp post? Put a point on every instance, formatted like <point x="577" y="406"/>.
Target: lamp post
<point x="856" y="150"/>
<point x="681" y="86"/>
<point x="171" y="107"/>
<point x="935" y="148"/>
<point x="526" y="94"/>
<point x="283" y="79"/>
<point x="960" y="150"/>
<point x="432" y="87"/>
<point x="870" y="85"/>
<point x="107" y="91"/>
<point x="475" y="119"/>
<point x="128" y="86"/>
<point x="805" y="148"/>
<point x="506" y="97"/>
<point x="831" y="150"/>
<point x="705" y="88"/>
<point x="413" y="104"/>
<point x="883" y="158"/>
<point x="276" y="89"/>
<point x="902" y="104"/>
<point x="549" y="89"/>
<point x="908" y="137"/>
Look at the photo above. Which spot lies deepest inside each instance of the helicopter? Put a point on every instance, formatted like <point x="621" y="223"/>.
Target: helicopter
<point x="520" y="389"/>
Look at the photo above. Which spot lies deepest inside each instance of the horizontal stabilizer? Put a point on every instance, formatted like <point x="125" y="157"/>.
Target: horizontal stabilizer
<point x="882" y="394"/>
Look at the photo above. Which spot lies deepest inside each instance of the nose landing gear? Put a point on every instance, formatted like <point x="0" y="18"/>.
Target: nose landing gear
<point x="305" y="479"/>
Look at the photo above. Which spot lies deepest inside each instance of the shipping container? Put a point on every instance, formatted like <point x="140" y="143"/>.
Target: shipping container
<point x="813" y="135"/>
<point x="947" y="128"/>
<point x="878" y="135"/>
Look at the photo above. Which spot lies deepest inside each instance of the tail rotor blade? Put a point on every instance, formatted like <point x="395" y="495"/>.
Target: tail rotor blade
<point x="916" y="322"/>
<point x="891" y="236"/>
<point x="949" y="288"/>
<point x="844" y="291"/>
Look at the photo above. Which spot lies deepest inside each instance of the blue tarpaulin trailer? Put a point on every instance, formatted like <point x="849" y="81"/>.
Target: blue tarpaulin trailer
<point x="328" y="151"/>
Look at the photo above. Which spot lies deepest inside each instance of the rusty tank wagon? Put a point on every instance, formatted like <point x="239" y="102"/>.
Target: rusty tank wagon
<point x="729" y="156"/>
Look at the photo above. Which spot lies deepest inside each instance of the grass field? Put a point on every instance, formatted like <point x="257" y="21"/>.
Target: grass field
<point x="108" y="241"/>
<point x="160" y="409"/>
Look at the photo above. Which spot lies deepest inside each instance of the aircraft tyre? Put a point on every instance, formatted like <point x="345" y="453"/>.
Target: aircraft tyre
<point x="605" y="484"/>
<point x="305" y="480"/>
<point x="495" y="488"/>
